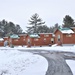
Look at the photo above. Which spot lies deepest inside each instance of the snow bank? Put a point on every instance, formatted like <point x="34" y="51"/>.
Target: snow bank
<point x="13" y="62"/>
<point x="71" y="64"/>
<point x="21" y="63"/>
<point x="53" y="48"/>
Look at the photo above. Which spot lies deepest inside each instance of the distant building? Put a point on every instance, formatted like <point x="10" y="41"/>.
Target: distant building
<point x="41" y="39"/>
<point x="61" y="36"/>
<point x="64" y="36"/>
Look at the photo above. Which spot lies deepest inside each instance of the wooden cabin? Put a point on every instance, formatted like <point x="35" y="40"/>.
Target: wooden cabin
<point x="64" y="36"/>
<point x="42" y="39"/>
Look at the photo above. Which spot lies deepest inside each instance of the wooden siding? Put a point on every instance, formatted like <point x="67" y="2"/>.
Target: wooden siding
<point x="44" y="39"/>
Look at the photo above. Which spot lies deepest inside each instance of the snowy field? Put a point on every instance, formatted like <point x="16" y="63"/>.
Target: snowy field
<point x="21" y="63"/>
<point x="14" y="62"/>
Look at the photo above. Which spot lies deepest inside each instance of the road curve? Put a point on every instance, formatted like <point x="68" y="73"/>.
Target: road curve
<point x="57" y="65"/>
<point x="56" y="62"/>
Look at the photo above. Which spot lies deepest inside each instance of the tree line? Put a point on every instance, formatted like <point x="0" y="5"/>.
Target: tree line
<point x="8" y="28"/>
<point x="35" y="25"/>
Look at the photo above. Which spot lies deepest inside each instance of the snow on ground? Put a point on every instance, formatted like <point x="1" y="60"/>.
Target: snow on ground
<point x="71" y="64"/>
<point x="54" y="47"/>
<point x="13" y="62"/>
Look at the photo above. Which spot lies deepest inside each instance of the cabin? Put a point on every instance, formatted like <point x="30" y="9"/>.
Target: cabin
<point x="64" y="36"/>
<point x="47" y="38"/>
<point x="41" y="39"/>
<point x="61" y="36"/>
<point x="22" y="39"/>
<point x="13" y="39"/>
<point x="17" y="40"/>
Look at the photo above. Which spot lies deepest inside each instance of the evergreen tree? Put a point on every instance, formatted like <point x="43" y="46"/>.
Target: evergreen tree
<point x="56" y="25"/>
<point x="9" y="28"/>
<point x="43" y="29"/>
<point x="35" y="22"/>
<point x="68" y="21"/>
<point x="18" y="29"/>
<point x="53" y="28"/>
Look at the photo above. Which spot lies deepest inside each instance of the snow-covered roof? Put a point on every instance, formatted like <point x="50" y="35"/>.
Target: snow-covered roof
<point x="34" y="35"/>
<point x="1" y="39"/>
<point x="22" y="34"/>
<point x="66" y="30"/>
<point x="14" y="36"/>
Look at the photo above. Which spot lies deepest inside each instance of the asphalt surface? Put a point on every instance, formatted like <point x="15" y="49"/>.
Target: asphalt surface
<point x="56" y="61"/>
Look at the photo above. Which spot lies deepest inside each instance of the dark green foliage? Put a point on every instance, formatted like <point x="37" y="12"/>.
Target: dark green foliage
<point x="18" y="29"/>
<point x="9" y="28"/>
<point x="53" y="28"/>
<point x="43" y="29"/>
<point x="68" y="21"/>
<point x="37" y="26"/>
<point x="35" y="22"/>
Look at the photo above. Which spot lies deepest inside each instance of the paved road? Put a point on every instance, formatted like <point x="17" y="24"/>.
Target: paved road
<point x="56" y="61"/>
<point x="57" y="65"/>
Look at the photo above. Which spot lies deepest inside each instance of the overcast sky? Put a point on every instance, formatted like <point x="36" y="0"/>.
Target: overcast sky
<point x="51" y="11"/>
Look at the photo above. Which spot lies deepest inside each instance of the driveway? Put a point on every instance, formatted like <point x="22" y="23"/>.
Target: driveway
<point x="56" y="61"/>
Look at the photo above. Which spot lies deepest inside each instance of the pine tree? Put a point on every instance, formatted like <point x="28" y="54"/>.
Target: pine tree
<point x="35" y="22"/>
<point x="68" y="21"/>
<point x="18" y="29"/>
<point x="9" y="27"/>
<point x="43" y="29"/>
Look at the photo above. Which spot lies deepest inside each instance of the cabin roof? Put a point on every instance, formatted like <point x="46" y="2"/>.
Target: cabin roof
<point x="65" y="30"/>
<point x="14" y="36"/>
<point x="34" y="35"/>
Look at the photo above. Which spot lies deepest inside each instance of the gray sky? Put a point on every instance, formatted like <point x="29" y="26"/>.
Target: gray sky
<point x="51" y="11"/>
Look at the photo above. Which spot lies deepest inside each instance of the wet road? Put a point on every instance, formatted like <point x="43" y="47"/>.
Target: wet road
<point x="56" y="61"/>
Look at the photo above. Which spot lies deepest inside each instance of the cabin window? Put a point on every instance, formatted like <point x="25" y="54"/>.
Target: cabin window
<point x="44" y="39"/>
<point x="46" y="35"/>
<point x="28" y="41"/>
<point x="16" y="39"/>
<point x="36" y="39"/>
<point x="58" y="37"/>
<point x="52" y="40"/>
<point x="23" y="39"/>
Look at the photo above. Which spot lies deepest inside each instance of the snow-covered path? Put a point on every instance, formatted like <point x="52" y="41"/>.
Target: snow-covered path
<point x="14" y="62"/>
<point x="56" y="61"/>
<point x="21" y="63"/>
<point x="57" y="65"/>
